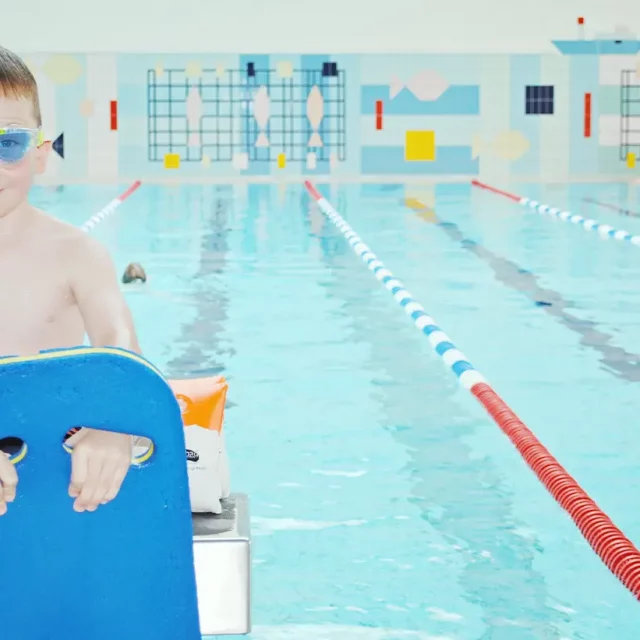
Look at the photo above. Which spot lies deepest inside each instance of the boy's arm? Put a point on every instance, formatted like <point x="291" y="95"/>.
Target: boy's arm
<point x="100" y="459"/>
<point x="94" y="283"/>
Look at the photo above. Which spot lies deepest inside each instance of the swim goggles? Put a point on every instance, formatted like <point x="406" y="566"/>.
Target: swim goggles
<point x="14" y="143"/>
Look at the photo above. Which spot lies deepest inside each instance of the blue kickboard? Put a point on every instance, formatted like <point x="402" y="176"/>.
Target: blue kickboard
<point x="125" y="571"/>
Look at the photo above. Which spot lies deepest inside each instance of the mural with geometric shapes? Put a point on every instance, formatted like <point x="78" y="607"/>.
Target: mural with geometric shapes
<point x="115" y="116"/>
<point x="242" y="116"/>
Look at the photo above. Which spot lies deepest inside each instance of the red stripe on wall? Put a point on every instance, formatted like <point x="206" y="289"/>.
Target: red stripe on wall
<point x="587" y="115"/>
<point x="114" y="115"/>
<point x="379" y="115"/>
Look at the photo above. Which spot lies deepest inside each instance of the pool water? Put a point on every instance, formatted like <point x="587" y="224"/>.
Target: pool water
<point x="385" y="503"/>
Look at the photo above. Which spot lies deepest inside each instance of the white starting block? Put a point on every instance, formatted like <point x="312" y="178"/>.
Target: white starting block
<point x="222" y="554"/>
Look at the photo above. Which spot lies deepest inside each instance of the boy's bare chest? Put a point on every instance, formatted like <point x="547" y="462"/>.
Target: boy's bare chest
<point x="36" y="281"/>
<point x="35" y="301"/>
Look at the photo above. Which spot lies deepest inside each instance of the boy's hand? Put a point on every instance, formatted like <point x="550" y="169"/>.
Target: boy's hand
<point x="99" y="463"/>
<point x="8" y="482"/>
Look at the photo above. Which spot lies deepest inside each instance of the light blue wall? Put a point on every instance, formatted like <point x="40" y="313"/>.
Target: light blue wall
<point x="524" y="71"/>
<point x="456" y="115"/>
<point x="584" y="151"/>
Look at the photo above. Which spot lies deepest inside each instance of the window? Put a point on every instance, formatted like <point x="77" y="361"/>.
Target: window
<point x="539" y="100"/>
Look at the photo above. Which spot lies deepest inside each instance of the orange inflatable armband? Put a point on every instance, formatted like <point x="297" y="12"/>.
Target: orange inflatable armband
<point x="201" y="401"/>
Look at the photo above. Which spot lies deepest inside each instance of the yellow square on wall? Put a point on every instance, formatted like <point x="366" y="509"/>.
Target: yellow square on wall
<point x="420" y="146"/>
<point x="172" y="161"/>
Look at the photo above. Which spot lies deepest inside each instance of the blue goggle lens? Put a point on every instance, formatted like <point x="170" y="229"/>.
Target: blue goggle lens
<point x="14" y="144"/>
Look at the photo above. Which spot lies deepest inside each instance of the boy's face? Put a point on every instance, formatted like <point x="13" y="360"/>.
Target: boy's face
<point x="16" y="177"/>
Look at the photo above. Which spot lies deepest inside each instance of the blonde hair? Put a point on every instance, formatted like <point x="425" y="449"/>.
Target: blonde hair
<point x="16" y="81"/>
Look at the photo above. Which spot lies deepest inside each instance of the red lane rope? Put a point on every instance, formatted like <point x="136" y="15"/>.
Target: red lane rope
<point x="488" y="187"/>
<point x="616" y="551"/>
<point x="614" y="548"/>
<point x="130" y="190"/>
<point x="313" y="191"/>
<point x="105" y="212"/>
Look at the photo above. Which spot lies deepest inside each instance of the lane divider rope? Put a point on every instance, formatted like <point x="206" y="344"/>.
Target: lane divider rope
<point x="616" y="551"/>
<point x="105" y="212"/>
<point x="612" y="207"/>
<point x="604" y="230"/>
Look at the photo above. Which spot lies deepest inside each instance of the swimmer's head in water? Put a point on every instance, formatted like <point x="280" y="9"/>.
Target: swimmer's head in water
<point x="133" y="273"/>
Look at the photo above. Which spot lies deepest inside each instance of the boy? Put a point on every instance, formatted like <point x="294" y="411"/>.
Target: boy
<point x="57" y="284"/>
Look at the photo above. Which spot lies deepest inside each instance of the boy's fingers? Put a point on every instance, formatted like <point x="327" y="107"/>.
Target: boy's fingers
<point x="8" y="480"/>
<point x="79" y="472"/>
<point x="91" y="486"/>
<point x="99" y="465"/>
<point x="111" y="476"/>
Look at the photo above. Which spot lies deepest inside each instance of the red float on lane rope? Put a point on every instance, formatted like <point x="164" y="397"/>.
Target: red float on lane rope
<point x="500" y="192"/>
<point x="613" y="547"/>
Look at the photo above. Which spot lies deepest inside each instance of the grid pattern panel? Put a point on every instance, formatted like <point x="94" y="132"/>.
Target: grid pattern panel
<point x="629" y="114"/>
<point x="227" y="126"/>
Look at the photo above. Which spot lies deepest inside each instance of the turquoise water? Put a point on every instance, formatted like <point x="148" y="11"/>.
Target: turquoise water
<point x="385" y="503"/>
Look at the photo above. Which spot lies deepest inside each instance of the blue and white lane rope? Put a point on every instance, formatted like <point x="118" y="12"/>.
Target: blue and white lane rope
<point x="608" y="541"/>
<point x="440" y="341"/>
<point x="105" y="212"/>
<point x="589" y="224"/>
<point x="604" y="230"/>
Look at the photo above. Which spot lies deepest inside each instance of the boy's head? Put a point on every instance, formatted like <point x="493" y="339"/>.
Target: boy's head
<point x="23" y="152"/>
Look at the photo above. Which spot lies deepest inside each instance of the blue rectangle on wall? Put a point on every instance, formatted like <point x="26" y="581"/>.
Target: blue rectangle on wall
<point x="329" y="69"/>
<point x="450" y="160"/>
<point x="456" y="100"/>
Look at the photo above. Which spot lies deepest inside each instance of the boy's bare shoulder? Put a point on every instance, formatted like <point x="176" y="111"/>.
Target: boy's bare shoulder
<point x="75" y="252"/>
<point x="62" y="236"/>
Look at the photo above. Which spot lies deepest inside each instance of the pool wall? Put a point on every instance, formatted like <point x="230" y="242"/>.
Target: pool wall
<point x="552" y="117"/>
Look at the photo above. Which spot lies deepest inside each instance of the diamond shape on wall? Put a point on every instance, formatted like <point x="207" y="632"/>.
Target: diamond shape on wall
<point x="427" y="85"/>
